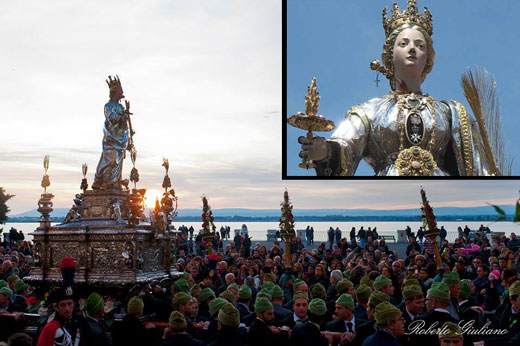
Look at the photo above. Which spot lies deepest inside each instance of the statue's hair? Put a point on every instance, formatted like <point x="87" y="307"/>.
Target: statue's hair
<point x="388" y="52"/>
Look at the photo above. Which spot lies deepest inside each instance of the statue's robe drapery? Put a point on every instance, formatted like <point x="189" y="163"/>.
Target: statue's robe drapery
<point x="115" y="141"/>
<point x="370" y="132"/>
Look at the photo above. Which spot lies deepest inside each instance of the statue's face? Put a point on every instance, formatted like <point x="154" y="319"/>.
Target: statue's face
<point x="410" y="53"/>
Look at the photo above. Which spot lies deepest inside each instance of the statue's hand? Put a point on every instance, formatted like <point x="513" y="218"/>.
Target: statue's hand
<point x="314" y="149"/>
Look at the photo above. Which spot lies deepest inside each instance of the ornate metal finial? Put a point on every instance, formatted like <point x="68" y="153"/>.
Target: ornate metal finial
<point x="84" y="184"/>
<point x="46" y="181"/>
<point x="166" y="181"/>
<point x="409" y="16"/>
<point x="312" y="98"/>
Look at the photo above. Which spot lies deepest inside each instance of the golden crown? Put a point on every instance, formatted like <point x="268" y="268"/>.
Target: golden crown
<point x="113" y="83"/>
<point x="409" y="16"/>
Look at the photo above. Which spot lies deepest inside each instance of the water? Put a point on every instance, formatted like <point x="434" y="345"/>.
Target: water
<point x="258" y="230"/>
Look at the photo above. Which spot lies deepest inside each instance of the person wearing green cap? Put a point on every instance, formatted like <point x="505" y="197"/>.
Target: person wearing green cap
<point x="6" y="296"/>
<point x="22" y="293"/>
<point x="318" y="291"/>
<point x="363" y="293"/>
<point x="181" y="285"/>
<point x="91" y="331"/>
<point x="454" y="286"/>
<point x="229" y="296"/>
<point x="177" y="334"/>
<point x="345" y="286"/>
<point x="467" y="304"/>
<point x="234" y="289"/>
<point x="384" y="284"/>
<point x="437" y="301"/>
<point x="308" y="333"/>
<point x="346" y="321"/>
<point x="450" y="334"/>
<point x="180" y="302"/>
<point x="228" y="322"/>
<point x="206" y="295"/>
<point x="280" y="313"/>
<point x="131" y="331"/>
<point x="3" y="283"/>
<point x="389" y="326"/>
<point x="260" y="332"/>
<point x="244" y="301"/>
<point x="413" y="303"/>
<point x="300" y="310"/>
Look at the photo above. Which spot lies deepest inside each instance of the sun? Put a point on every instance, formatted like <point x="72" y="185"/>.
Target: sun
<point x="150" y="197"/>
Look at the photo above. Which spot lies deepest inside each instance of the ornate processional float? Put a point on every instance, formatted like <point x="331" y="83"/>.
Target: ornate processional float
<point x="106" y="231"/>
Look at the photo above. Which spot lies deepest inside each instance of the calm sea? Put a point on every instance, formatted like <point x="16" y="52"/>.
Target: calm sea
<point x="258" y="230"/>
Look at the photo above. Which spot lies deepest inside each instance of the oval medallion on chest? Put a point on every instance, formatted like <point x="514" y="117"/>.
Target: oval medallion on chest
<point x="414" y="128"/>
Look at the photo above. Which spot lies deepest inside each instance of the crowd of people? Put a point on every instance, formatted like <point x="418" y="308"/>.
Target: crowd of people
<point x="353" y="291"/>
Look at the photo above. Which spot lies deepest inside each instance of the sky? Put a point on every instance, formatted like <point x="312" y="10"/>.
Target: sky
<point x="204" y="82"/>
<point x="335" y="41"/>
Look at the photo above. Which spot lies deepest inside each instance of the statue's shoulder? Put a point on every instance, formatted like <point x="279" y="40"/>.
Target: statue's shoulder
<point x="368" y="109"/>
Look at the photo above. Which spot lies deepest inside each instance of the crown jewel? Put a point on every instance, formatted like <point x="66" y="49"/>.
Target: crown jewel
<point x="409" y="16"/>
<point x="113" y="83"/>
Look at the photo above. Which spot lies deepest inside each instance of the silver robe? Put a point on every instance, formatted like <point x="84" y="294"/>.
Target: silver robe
<point x="370" y="132"/>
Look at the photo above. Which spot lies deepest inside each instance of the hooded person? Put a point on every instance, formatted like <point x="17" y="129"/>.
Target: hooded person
<point x="309" y="333"/>
<point x="260" y="332"/>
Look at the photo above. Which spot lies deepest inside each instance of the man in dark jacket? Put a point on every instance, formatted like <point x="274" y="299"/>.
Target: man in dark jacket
<point x="228" y="322"/>
<point x="389" y="326"/>
<point x="177" y="334"/>
<point x="91" y="331"/>
<point x="280" y="312"/>
<point x="346" y="321"/>
<point x="131" y="331"/>
<point x="437" y="301"/>
<point x="22" y="293"/>
<point x="260" y="332"/>
<point x="308" y="333"/>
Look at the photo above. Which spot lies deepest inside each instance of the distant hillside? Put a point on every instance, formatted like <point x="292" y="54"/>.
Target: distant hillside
<point x="238" y="214"/>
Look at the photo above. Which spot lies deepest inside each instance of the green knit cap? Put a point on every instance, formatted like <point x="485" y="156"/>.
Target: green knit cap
<point x="318" y="291"/>
<point x="3" y="283"/>
<point x="514" y="289"/>
<point x="277" y="292"/>
<point x="244" y="292"/>
<point x="229" y="315"/>
<point x="363" y="292"/>
<point x="378" y="297"/>
<point x="381" y="281"/>
<point x="439" y="290"/>
<point x="386" y="312"/>
<point x="229" y="296"/>
<point x="233" y="285"/>
<point x="300" y="295"/>
<point x="215" y="305"/>
<point x="7" y="292"/>
<point x="268" y="285"/>
<point x="269" y="277"/>
<point x="450" y="330"/>
<point x="343" y="285"/>
<point x="94" y="304"/>
<point x="206" y="293"/>
<point x="12" y="277"/>
<point x="177" y="321"/>
<point x="411" y="291"/>
<point x="264" y="292"/>
<point x="346" y="273"/>
<point x="181" y="285"/>
<point x="195" y="289"/>
<point x="366" y="280"/>
<point x="262" y="305"/>
<point x="411" y="280"/>
<point x="180" y="299"/>
<point x="317" y="306"/>
<point x="451" y="278"/>
<point x="186" y="276"/>
<point x="465" y="289"/>
<point x="135" y="305"/>
<point x="19" y="286"/>
<point x="346" y="301"/>
<point x="297" y="283"/>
